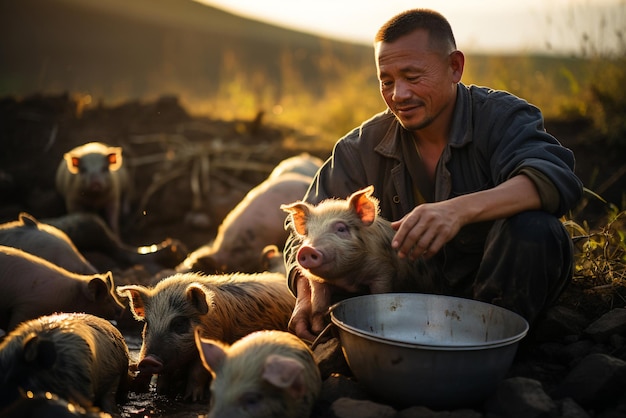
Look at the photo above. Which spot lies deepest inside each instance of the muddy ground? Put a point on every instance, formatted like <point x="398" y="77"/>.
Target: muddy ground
<point x="190" y="171"/>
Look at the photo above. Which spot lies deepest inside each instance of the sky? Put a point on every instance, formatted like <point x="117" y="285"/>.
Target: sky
<point x="479" y="25"/>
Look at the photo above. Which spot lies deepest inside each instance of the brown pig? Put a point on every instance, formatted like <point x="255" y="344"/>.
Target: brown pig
<point x="45" y="241"/>
<point x="31" y="286"/>
<point x="224" y="307"/>
<point x="79" y="357"/>
<point x="345" y="243"/>
<point x="264" y="374"/>
<point x="254" y="223"/>
<point x="92" y="178"/>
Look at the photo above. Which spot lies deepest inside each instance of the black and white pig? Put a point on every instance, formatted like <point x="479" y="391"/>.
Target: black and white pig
<point x="345" y="243"/>
<point x="264" y="374"/>
<point x="224" y="307"/>
<point x="93" y="178"/>
<point x="31" y="286"/>
<point x="79" y="357"/>
<point x="255" y="222"/>
<point x="45" y="241"/>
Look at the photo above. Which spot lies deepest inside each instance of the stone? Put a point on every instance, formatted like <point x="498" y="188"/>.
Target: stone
<point x="352" y="408"/>
<point x="597" y="380"/>
<point x="521" y="397"/>
<point x="612" y="322"/>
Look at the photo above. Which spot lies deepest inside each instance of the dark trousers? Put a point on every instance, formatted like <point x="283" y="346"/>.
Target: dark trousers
<point x="525" y="264"/>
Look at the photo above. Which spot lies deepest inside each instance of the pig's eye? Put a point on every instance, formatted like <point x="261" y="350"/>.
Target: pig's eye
<point x="180" y="325"/>
<point x="250" y="401"/>
<point x="341" y="228"/>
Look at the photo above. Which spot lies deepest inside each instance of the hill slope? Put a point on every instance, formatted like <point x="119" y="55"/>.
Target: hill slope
<point x="118" y="49"/>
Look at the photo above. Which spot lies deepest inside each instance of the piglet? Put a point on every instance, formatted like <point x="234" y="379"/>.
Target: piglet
<point x="92" y="178"/>
<point x="224" y="307"/>
<point x="31" y="286"/>
<point x="347" y="245"/>
<point x="264" y="374"/>
<point x="253" y="224"/>
<point x="79" y="357"/>
<point x="45" y="241"/>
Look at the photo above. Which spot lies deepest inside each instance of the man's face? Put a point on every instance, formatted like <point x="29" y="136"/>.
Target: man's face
<point x="417" y="82"/>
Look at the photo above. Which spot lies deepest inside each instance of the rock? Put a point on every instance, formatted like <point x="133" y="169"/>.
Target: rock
<point x="574" y="352"/>
<point x="423" y="412"/>
<point x="611" y="323"/>
<point x="335" y="387"/>
<point x="570" y="409"/>
<point x="352" y="408"/>
<point x="597" y="380"/>
<point x="559" y="322"/>
<point x="520" y="397"/>
<point x="330" y="358"/>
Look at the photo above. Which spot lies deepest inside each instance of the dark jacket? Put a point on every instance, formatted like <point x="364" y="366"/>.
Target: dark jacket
<point x="494" y="136"/>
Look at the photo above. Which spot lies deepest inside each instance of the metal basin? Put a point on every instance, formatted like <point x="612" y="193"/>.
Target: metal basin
<point x="437" y="351"/>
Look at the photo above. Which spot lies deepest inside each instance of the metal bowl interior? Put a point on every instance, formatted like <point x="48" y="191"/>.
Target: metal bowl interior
<point x="429" y="321"/>
<point x="431" y="350"/>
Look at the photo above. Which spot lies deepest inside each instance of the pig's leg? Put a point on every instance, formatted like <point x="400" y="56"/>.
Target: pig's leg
<point x="321" y="294"/>
<point x="108" y="400"/>
<point x="197" y="381"/>
<point x="300" y="322"/>
<point x="112" y="212"/>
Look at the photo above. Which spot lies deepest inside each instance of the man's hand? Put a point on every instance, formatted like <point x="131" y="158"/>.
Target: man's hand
<point x="424" y="231"/>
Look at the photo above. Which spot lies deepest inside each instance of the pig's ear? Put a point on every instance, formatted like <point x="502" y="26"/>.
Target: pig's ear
<point x="134" y="294"/>
<point x="97" y="288"/>
<point x="115" y="158"/>
<point x="212" y="353"/>
<point x="197" y="296"/>
<point x="27" y="219"/>
<point x="72" y="162"/>
<point x="365" y="206"/>
<point x="40" y="351"/>
<point x="299" y="214"/>
<point x="285" y="373"/>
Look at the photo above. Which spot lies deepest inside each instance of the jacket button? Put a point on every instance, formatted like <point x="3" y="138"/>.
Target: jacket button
<point x="396" y="199"/>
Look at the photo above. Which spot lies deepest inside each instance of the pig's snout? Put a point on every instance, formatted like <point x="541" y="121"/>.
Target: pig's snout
<point x="309" y="257"/>
<point x="150" y="364"/>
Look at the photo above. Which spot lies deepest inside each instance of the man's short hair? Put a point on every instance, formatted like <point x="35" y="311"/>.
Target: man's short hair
<point x="437" y="26"/>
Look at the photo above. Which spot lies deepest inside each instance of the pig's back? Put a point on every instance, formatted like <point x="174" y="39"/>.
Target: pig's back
<point x="241" y="303"/>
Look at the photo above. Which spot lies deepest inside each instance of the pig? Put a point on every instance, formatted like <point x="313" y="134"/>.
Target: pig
<point x="272" y="259"/>
<point x="94" y="238"/>
<point x="304" y="164"/>
<point x="49" y="405"/>
<point x="254" y="223"/>
<point x="79" y="357"/>
<point x="347" y="245"/>
<point x="31" y="286"/>
<point x="45" y="241"/>
<point x="264" y="374"/>
<point x="224" y="307"/>
<point x="92" y="177"/>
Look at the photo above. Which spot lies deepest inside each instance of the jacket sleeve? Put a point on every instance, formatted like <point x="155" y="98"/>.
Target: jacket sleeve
<point x="519" y="144"/>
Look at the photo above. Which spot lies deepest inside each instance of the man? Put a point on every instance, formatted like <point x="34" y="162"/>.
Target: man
<point x="469" y="176"/>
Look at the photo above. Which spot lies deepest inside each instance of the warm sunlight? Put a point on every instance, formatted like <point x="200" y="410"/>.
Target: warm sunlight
<point x="480" y="25"/>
